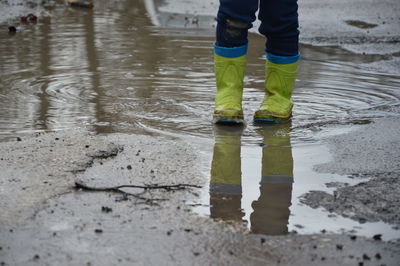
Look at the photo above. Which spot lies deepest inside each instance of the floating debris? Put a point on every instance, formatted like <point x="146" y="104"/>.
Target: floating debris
<point x="79" y="3"/>
<point x="12" y="29"/>
<point x="30" y="18"/>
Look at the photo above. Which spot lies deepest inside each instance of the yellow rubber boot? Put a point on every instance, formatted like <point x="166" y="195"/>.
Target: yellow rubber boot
<point x="229" y="74"/>
<point x="279" y="83"/>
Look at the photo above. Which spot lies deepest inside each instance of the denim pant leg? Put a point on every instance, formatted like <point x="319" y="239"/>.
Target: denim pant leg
<point x="279" y="23"/>
<point x="234" y="19"/>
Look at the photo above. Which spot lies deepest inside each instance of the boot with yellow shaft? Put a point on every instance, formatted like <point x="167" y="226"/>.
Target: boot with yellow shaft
<point x="280" y="76"/>
<point x="230" y="64"/>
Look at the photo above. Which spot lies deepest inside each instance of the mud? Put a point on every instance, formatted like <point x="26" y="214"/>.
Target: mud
<point x="38" y="168"/>
<point x="71" y="227"/>
<point x="373" y="200"/>
<point x="371" y="156"/>
<point x="119" y="79"/>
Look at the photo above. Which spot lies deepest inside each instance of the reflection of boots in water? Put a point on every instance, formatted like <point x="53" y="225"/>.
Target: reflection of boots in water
<point x="271" y="210"/>
<point x="226" y="183"/>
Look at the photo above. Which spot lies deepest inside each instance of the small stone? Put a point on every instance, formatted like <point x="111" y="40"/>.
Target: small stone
<point x="169" y="232"/>
<point x="262" y="240"/>
<point x="378" y="256"/>
<point x="353" y="237"/>
<point x="36" y="257"/>
<point x="129" y="167"/>
<point x="19" y="139"/>
<point x="98" y="231"/>
<point x="106" y="209"/>
<point x="339" y="247"/>
<point x="366" y="257"/>
<point x="87" y="146"/>
<point x="377" y="237"/>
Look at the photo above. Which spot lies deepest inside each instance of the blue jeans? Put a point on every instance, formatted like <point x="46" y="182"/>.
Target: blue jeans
<point x="279" y="24"/>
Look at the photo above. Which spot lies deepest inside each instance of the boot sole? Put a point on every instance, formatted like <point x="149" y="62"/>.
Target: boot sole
<point x="270" y="120"/>
<point x="228" y="121"/>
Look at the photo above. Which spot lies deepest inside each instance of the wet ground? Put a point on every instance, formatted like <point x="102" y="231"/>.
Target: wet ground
<point x="110" y="70"/>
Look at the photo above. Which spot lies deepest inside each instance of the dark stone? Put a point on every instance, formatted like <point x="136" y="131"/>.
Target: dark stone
<point x="106" y="209"/>
<point x="377" y="237"/>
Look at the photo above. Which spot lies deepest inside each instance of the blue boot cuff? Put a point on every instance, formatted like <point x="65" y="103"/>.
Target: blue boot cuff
<point x="230" y="52"/>
<point x="283" y="60"/>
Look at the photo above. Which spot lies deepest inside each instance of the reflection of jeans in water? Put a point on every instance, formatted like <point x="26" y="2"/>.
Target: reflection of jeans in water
<point x="279" y="23"/>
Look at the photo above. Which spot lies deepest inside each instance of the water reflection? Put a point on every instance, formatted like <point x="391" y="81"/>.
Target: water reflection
<point x="226" y="174"/>
<point x="271" y="210"/>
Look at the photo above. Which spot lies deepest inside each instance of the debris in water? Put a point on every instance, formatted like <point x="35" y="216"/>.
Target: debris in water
<point x="12" y="29"/>
<point x="30" y="18"/>
<point x="80" y="3"/>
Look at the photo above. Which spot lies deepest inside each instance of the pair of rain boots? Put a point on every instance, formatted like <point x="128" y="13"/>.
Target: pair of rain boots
<point x="279" y="83"/>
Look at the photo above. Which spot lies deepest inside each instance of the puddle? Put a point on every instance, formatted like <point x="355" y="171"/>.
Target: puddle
<point x="111" y="70"/>
<point x="261" y="185"/>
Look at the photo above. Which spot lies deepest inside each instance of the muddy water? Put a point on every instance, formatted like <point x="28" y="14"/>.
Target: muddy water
<point x="111" y="70"/>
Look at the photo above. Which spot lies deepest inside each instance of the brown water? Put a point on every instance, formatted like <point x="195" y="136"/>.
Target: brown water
<point x="111" y="70"/>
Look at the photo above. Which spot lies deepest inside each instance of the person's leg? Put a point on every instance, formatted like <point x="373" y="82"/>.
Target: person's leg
<point x="234" y="19"/>
<point x="279" y="23"/>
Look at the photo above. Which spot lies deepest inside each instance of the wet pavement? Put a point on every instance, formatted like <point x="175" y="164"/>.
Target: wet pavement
<point x="110" y="70"/>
